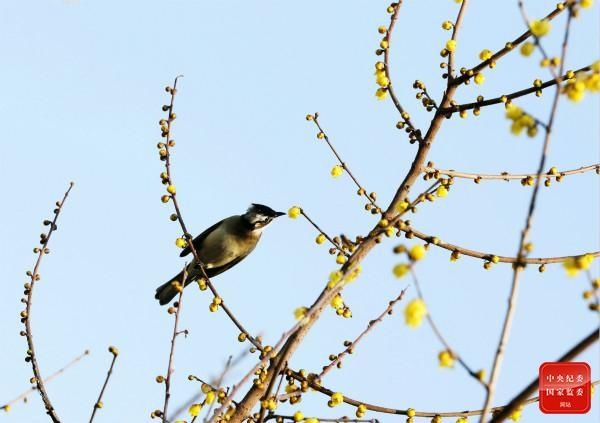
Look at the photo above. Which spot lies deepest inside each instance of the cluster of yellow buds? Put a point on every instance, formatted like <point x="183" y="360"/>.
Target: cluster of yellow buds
<point x="414" y="313"/>
<point x="446" y="358"/>
<point x="381" y="79"/>
<point x="580" y="82"/>
<point x="214" y="305"/>
<point x="261" y="377"/>
<point x="336" y="399"/>
<point x="573" y="265"/>
<point x="361" y="410"/>
<point x="422" y="95"/>
<point x="269" y="404"/>
<point x="520" y="121"/>
<point x="341" y="309"/>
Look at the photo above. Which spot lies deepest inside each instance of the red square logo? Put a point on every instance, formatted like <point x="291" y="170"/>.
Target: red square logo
<point x="565" y="388"/>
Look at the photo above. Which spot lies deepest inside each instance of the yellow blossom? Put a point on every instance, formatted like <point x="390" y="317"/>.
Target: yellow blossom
<point x="402" y="206"/>
<point x="515" y="416"/>
<point x="320" y="239"/>
<point x="447" y="25"/>
<point x="417" y="252"/>
<point x="481" y="375"/>
<point x="381" y="94"/>
<point x="300" y="312"/>
<point x="337" y="398"/>
<point x="592" y="82"/>
<point x="210" y="397"/>
<point x="400" y="270"/>
<point x="451" y="45"/>
<point x="527" y="49"/>
<point x="181" y="243"/>
<point x="573" y="265"/>
<point x="575" y="88"/>
<point x="513" y="112"/>
<point x="337" y="301"/>
<point x="334" y="278"/>
<point x="336" y="171"/>
<point x="586" y="3"/>
<point x="341" y="259"/>
<point x="446" y="358"/>
<point x="414" y="313"/>
<point x="311" y="420"/>
<point x="171" y="189"/>
<point x="354" y="273"/>
<point x="381" y="78"/>
<point x="596" y="66"/>
<point x="479" y="78"/>
<point x="539" y="28"/>
<point x="462" y="420"/>
<point x="361" y="409"/>
<point x="441" y="192"/>
<point x="294" y="212"/>
<point x="195" y="409"/>
<point x="298" y="416"/>
<point x="485" y="54"/>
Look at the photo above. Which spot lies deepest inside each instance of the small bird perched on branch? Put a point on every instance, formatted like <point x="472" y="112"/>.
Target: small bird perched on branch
<point x="221" y="247"/>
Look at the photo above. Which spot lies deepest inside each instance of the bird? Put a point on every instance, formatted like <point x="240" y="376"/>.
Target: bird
<point x="220" y="247"/>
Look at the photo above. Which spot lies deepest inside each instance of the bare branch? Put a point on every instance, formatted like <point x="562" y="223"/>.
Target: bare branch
<point x="521" y="252"/>
<point x="352" y="345"/>
<point x="166" y="156"/>
<point x="26" y="314"/>
<point x="24" y="395"/>
<point x="98" y="404"/>
<point x="176" y="332"/>
<point x="505" y="176"/>
<point x="511" y="45"/>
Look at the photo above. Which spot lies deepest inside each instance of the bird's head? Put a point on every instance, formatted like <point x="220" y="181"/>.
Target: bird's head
<point x="259" y="216"/>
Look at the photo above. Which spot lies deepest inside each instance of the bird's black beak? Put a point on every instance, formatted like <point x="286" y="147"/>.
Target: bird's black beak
<point x="277" y="214"/>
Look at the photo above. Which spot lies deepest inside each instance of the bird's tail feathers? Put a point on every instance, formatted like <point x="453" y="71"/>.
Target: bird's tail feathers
<point x="167" y="291"/>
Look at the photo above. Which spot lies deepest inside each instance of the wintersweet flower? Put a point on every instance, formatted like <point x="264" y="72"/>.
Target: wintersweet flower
<point x="414" y="313"/>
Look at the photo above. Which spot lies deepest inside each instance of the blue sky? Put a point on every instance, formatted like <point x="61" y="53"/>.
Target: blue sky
<point x="83" y="83"/>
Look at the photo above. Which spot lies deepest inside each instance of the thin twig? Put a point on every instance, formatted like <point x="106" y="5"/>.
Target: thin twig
<point x="321" y="231"/>
<point x="511" y="45"/>
<point x="98" y="404"/>
<point x="536" y="39"/>
<point x="386" y="61"/>
<point x="512" y="299"/>
<point x="24" y="395"/>
<point x="505" y="176"/>
<point x="218" y="384"/>
<point x="485" y="256"/>
<point x="350" y="347"/>
<point x="361" y="189"/>
<point x="439" y="335"/>
<point x="172" y="351"/>
<point x="188" y="236"/>
<point x="26" y="314"/>
<point x="504" y="98"/>
<point x="418" y="413"/>
<point x="455" y="29"/>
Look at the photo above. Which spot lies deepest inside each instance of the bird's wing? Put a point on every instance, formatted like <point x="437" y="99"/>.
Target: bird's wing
<point x="214" y="271"/>
<point x="199" y="239"/>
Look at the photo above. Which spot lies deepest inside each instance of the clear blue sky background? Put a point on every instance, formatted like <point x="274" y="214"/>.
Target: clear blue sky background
<point x="82" y="87"/>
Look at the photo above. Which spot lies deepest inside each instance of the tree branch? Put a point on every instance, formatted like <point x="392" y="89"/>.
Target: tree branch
<point x="26" y="314"/>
